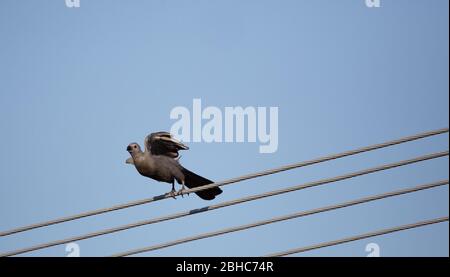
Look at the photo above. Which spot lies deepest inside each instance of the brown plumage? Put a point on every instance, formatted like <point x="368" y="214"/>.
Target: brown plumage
<point x="159" y="161"/>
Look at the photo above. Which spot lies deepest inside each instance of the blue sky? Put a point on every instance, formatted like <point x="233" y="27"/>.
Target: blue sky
<point x="78" y="85"/>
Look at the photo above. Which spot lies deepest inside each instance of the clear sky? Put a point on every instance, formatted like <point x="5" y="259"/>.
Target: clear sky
<point x="77" y="85"/>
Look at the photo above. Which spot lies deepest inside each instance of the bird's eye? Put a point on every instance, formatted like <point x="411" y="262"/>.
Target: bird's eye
<point x="134" y="146"/>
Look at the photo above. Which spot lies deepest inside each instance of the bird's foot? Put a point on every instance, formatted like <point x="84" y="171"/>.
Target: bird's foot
<point x="181" y="191"/>
<point x="172" y="193"/>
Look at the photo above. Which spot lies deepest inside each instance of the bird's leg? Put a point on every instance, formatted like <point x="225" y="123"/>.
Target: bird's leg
<point x="183" y="188"/>
<point x="173" y="192"/>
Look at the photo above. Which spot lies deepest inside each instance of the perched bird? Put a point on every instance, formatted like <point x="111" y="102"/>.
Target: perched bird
<point x="159" y="161"/>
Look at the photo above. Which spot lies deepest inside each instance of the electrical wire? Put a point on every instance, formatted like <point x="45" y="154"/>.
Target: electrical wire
<point x="226" y="182"/>
<point x="359" y="237"/>
<point x="235" y="202"/>
<point x="273" y="220"/>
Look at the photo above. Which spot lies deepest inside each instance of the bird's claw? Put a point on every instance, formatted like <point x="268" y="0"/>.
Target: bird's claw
<point x="181" y="191"/>
<point x="172" y="193"/>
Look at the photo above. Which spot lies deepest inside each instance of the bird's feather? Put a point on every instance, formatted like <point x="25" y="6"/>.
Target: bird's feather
<point x="193" y="180"/>
<point x="162" y="143"/>
<point x="129" y="161"/>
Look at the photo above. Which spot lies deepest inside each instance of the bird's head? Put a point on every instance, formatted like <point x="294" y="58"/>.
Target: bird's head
<point x="133" y="148"/>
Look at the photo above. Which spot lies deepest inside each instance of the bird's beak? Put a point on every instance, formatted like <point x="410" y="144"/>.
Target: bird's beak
<point x="129" y="148"/>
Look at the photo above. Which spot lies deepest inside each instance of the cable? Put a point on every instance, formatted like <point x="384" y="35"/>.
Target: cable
<point x="273" y="220"/>
<point x="360" y="237"/>
<point x="229" y="181"/>
<point x="233" y="202"/>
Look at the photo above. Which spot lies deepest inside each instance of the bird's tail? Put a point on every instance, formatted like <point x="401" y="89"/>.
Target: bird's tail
<point x="193" y="180"/>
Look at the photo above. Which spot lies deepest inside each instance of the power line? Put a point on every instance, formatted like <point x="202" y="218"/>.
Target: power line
<point x="360" y="237"/>
<point x="236" y="201"/>
<point x="226" y="182"/>
<point x="275" y="219"/>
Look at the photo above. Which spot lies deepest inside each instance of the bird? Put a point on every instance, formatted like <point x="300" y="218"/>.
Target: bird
<point x="160" y="161"/>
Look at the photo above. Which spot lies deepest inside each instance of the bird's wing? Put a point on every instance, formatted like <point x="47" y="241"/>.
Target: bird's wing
<point x="129" y="161"/>
<point x="162" y="143"/>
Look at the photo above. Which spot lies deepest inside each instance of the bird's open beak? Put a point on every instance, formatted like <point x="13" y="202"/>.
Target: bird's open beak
<point x="129" y="148"/>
